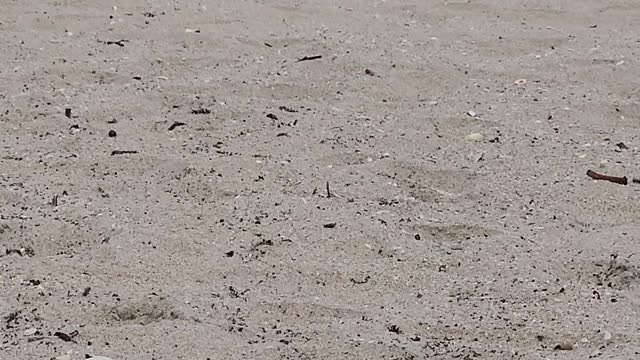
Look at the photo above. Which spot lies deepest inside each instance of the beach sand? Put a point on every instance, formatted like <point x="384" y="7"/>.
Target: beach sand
<point x="319" y="179"/>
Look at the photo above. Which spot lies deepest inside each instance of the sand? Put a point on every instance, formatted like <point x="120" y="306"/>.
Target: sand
<point x="181" y="210"/>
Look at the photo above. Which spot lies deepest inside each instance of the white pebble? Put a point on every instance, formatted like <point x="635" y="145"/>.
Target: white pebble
<point x="474" y="137"/>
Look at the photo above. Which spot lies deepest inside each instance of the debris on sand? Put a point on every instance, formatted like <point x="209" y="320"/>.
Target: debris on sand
<point x="176" y="124"/>
<point x="563" y="346"/>
<point x="66" y="337"/>
<point x="123" y="152"/>
<point x="118" y="42"/>
<point x="307" y="58"/>
<point x="614" y="179"/>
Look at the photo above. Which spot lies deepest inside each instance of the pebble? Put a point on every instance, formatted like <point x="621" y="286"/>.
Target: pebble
<point x="607" y="336"/>
<point x="30" y="332"/>
<point x="563" y="346"/>
<point x="471" y="113"/>
<point x="112" y="133"/>
<point x="520" y="81"/>
<point x="474" y="137"/>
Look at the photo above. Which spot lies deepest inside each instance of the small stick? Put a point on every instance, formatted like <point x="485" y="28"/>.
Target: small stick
<point x="328" y="191"/>
<point x="307" y="58"/>
<point x="123" y="152"/>
<point x="175" y="125"/>
<point x="54" y="200"/>
<point x="615" y="179"/>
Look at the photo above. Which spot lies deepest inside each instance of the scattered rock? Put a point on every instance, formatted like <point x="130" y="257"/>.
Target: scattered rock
<point x="64" y="336"/>
<point x="471" y="113"/>
<point x="607" y="336"/>
<point x="563" y="346"/>
<point x="25" y="251"/>
<point x="520" y="81"/>
<point x="112" y="133"/>
<point x="30" y="332"/>
<point x="394" y="329"/>
<point x="622" y="146"/>
<point x="201" y="111"/>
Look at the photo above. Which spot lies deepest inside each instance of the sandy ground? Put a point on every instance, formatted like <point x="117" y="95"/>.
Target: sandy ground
<point x="460" y="222"/>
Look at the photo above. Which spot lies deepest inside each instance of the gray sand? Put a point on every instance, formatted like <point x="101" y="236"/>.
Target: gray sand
<point x="461" y="223"/>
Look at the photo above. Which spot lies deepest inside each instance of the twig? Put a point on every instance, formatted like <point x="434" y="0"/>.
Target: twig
<point x="614" y="179"/>
<point x="123" y="152"/>
<point x="118" y="42"/>
<point x="328" y="191"/>
<point x="176" y="124"/>
<point x="360" y="282"/>
<point x="307" y="58"/>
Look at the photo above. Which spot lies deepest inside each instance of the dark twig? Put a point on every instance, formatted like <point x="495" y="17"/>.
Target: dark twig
<point x="123" y="152"/>
<point x="307" y="58"/>
<point x="176" y="124"/>
<point x="615" y="179"/>
<point x="118" y="42"/>
<point x="328" y="191"/>
<point x="360" y="282"/>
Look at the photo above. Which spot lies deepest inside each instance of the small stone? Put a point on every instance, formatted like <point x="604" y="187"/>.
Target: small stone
<point x="607" y="336"/>
<point x="113" y="133"/>
<point x="30" y="332"/>
<point x="520" y="81"/>
<point x="474" y="137"/>
<point x="563" y="346"/>
<point x="471" y="113"/>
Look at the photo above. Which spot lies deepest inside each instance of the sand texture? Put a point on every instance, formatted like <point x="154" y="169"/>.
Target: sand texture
<point x="322" y="179"/>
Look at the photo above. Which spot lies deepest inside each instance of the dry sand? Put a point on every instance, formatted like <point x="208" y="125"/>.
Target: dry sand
<point x="217" y="239"/>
